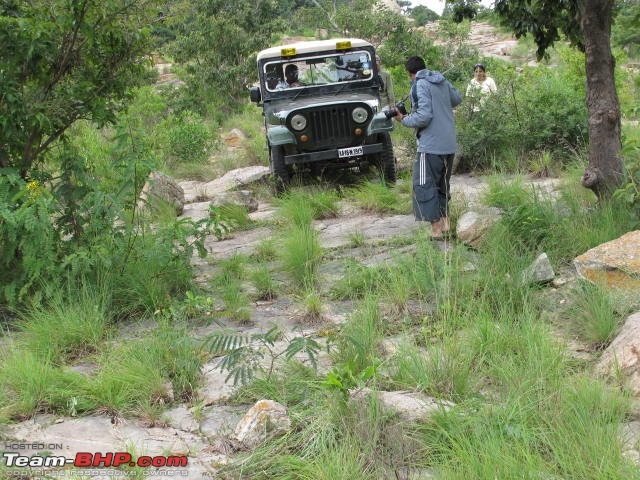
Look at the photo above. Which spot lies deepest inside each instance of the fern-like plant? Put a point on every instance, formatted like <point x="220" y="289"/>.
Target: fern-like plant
<point x="245" y="355"/>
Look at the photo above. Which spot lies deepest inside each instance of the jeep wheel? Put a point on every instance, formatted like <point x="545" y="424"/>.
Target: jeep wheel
<point x="279" y="170"/>
<point x="385" y="159"/>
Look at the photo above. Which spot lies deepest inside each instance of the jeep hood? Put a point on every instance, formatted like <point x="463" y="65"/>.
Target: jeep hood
<point x="285" y="105"/>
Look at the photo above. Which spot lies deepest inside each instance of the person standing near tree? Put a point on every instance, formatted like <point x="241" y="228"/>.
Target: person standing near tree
<point x="387" y="98"/>
<point x="480" y="86"/>
<point x="432" y="101"/>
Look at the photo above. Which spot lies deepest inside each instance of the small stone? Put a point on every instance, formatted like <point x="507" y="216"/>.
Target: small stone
<point x="265" y="420"/>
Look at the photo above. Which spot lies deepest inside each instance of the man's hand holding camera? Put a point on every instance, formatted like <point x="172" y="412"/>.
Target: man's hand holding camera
<point x="398" y="111"/>
<point x="399" y="115"/>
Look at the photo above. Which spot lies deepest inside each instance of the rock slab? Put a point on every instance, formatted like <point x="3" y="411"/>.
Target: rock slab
<point x="615" y="263"/>
<point x="623" y="355"/>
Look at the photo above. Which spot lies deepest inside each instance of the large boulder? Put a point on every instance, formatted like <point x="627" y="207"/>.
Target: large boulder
<point x="162" y="187"/>
<point x="238" y="178"/>
<point x="234" y="139"/>
<point x="623" y="355"/>
<point x="615" y="263"/>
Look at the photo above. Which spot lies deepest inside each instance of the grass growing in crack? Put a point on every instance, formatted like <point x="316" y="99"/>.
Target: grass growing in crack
<point x="312" y="303"/>
<point x="444" y="371"/>
<point x="357" y="239"/>
<point x="378" y="198"/>
<point x="228" y="285"/>
<point x="32" y="384"/>
<point x="358" y="281"/>
<point x="300" y="208"/>
<point x="505" y="195"/>
<point x="266" y="250"/>
<point x="593" y="314"/>
<point x="69" y="326"/>
<point x="236" y="302"/>
<point x="263" y="282"/>
<point x="301" y="254"/>
<point x="137" y="376"/>
<point x="359" y="337"/>
<point x="237" y="216"/>
<point x="398" y="291"/>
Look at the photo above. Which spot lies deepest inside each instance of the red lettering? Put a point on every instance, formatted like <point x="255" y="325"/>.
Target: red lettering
<point x="83" y="459"/>
<point x="158" y="461"/>
<point x="121" y="458"/>
<point x="106" y="460"/>
<point x="177" y="461"/>
<point x="144" y="461"/>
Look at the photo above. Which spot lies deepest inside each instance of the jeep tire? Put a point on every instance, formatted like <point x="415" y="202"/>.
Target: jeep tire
<point x="386" y="162"/>
<point x="279" y="169"/>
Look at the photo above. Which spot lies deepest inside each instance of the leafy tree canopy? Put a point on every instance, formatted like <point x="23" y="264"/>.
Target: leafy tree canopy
<point x="62" y="61"/>
<point x="547" y="22"/>
<point x="423" y="15"/>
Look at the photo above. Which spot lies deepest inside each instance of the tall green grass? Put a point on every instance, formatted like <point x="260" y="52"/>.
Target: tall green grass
<point x="594" y="313"/>
<point x="32" y="384"/>
<point x="157" y="369"/>
<point x="71" y="325"/>
<point x="301" y="255"/>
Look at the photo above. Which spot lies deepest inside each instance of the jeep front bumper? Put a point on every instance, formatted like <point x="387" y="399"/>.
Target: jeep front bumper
<point x="332" y="154"/>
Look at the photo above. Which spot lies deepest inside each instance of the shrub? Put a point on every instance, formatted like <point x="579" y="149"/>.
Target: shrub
<point x="27" y="234"/>
<point x="542" y="109"/>
<point x="629" y="193"/>
<point x="189" y="139"/>
<point x="77" y="227"/>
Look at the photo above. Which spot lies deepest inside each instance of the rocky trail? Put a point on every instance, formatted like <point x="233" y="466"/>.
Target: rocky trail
<point x="202" y="430"/>
<point x="198" y="430"/>
<point x="192" y="431"/>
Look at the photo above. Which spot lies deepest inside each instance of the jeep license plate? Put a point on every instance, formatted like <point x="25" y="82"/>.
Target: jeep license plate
<point x="349" y="152"/>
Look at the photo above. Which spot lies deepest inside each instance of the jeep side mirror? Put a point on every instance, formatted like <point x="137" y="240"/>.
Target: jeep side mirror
<point x="255" y="95"/>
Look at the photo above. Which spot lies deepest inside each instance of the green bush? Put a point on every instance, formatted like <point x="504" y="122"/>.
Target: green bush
<point x="189" y="139"/>
<point x="541" y="109"/>
<point x="629" y="192"/>
<point x="78" y="227"/>
<point x="29" y="240"/>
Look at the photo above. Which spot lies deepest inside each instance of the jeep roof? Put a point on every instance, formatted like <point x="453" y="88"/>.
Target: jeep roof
<point x="312" y="46"/>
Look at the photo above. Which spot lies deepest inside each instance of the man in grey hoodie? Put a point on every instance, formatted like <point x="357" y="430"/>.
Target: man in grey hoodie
<point x="432" y="101"/>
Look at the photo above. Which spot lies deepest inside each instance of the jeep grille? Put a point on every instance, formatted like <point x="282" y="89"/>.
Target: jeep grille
<point x="331" y="126"/>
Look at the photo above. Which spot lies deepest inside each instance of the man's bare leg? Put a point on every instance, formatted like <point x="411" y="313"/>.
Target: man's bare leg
<point x="436" y="229"/>
<point x="445" y="224"/>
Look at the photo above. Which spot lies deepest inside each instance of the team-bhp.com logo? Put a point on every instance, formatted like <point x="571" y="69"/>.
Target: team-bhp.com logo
<point x="85" y="459"/>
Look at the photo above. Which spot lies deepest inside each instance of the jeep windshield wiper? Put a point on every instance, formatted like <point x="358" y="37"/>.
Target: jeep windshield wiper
<point x="303" y="89"/>
<point x="342" y="87"/>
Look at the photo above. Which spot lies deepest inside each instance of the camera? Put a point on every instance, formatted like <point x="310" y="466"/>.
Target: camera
<point x="392" y="112"/>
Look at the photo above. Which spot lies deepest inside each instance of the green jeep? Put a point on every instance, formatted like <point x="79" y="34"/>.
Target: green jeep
<point x="322" y="109"/>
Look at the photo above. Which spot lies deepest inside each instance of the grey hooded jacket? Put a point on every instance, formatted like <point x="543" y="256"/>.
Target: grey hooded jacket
<point x="432" y="102"/>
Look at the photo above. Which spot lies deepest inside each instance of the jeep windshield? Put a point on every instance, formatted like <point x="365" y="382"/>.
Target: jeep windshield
<point x="315" y="70"/>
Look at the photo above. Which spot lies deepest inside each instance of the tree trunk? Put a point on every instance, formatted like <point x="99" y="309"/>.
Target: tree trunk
<point x="605" y="171"/>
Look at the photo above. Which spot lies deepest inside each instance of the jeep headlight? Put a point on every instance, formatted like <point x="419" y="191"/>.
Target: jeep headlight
<point x="359" y="115"/>
<point x="298" y="122"/>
